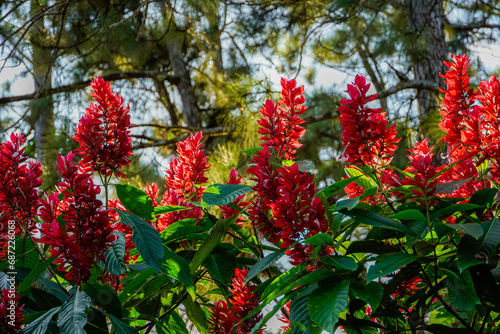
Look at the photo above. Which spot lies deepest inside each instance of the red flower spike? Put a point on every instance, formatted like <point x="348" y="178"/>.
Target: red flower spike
<point x="184" y="179"/>
<point x="285" y="318"/>
<point x="87" y="230"/>
<point x="19" y="182"/>
<point x="228" y="212"/>
<point x="366" y="137"/>
<point x="280" y="123"/>
<point x="243" y="301"/>
<point x="11" y="315"/>
<point x="102" y="132"/>
<point x="423" y="169"/>
<point x="221" y="320"/>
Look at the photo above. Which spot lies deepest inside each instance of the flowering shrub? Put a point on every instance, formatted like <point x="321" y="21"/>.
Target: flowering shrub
<point x="426" y="259"/>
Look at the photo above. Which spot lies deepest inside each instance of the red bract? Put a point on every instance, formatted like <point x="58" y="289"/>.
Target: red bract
<point x="285" y="319"/>
<point x="280" y="123"/>
<point x="19" y="182"/>
<point x="184" y="179"/>
<point x="243" y="301"/>
<point x="11" y="315"/>
<point x="366" y="137"/>
<point x="103" y="132"/>
<point x="221" y="319"/>
<point x="87" y="230"/>
<point x="423" y="169"/>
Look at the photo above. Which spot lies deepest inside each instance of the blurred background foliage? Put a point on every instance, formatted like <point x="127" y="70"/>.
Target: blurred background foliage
<point x="189" y="65"/>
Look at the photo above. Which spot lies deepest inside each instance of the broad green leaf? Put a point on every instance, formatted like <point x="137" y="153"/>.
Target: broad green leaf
<point x="342" y="262"/>
<point x="370" y="246"/>
<point x="281" y="281"/>
<point x="196" y="314"/>
<point x="209" y="244"/>
<point x="181" y="229"/>
<point x="374" y="219"/>
<point x="337" y="186"/>
<point x="114" y="255"/>
<point x="251" y="151"/>
<point x="388" y="263"/>
<point x="326" y="304"/>
<point x="223" y="194"/>
<point x="410" y="215"/>
<point x="173" y="324"/>
<point x="362" y="180"/>
<point x="135" y="285"/>
<point x="443" y="329"/>
<point x="472" y="229"/>
<point x="300" y="319"/>
<point x="40" y="325"/>
<point x="445" y="212"/>
<point x="103" y="296"/>
<point x="472" y="251"/>
<point x="177" y="267"/>
<point x="484" y="197"/>
<point x="136" y="201"/>
<point x="145" y="238"/>
<point x="72" y="317"/>
<point x="34" y="274"/>
<point x="449" y="187"/>
<point x="486" y="287"/>
<point x="461" y="290"/>
<point x="371" y="293"/>
<point x="221" y="266"/>
<point x="320" y="239"/>
<point x="119" y="326"/>
<point x="26" y="255"/>
<point x="348" y="203"/>
<point x="263" y="264"/>
<point x="160" y="210"/>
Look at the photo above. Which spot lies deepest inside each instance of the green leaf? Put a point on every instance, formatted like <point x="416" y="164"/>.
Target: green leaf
<point x="472" y="251"/>
<point x="136" y="201"/>
<point x="104" y="297"/>
<point x="484" y="197"/>
<point x="320" y="239"/>
<point x="181" y="229"/>
<point x="374" y="219"/>
<point x="34" y="274"/>
<point x="251" y="151"/>
<point x="114" y="255"/>
<point x="410" y="215"/>
<point x="177" y="267"/>
<point x="40" y="325"/>
<point x="348" y="203"/>
<point x="342" y="262"/>
<point x="326" y="304"/>
<point x="337" y="186"/>
<point x="196" y="314"/>
<point x="209" y="244"/>
<point x="361" y="180"/>
<point x="388" y="263"/>
<point x="72" y="317"/>
<point x="221" y="266"/>
<point x="452" y="209"/>
<point x="145" y="238"/>
<point x="160" y="210"/>
<point x="173" y="324"/>
<point x="300" y="319"/>
<point x="370" y="293"/>
<point x="135" y="285"/>
<point x="472" y="229"/>
<point x="449" y="187"/>
<point x="370" y="246"/>
<point x="263" y="264"/>
<point x="305" y="165"/>
<point x="461" y="290"/>
<point x="119" y="326"/>
<point x="223" y="194"/>
<point x="486" y="287"/>
<point x="26" y="255"/>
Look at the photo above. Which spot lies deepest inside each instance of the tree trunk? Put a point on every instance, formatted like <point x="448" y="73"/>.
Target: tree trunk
<point x="42" y="109"/>
<point x="167" y="102"/>
<point x="427" y="49"/>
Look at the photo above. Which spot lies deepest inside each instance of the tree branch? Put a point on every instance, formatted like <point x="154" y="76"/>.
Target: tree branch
<point x="83" y="84"/>
<point x="413" y="84"/>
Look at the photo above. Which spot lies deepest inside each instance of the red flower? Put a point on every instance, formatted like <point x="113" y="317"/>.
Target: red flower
<point x="423" y="168"/>
<point x="285" y="319"/>
<point x="243" y="301"/>
<point x="11" y="315"/>
<point x="280" y="123"/>
<point x="184" y="179"/>
<point x="103" y="132"/>
<point x="19" y="182"/>
<point x="221" y="320"/>
<point x="367" y="139"/>
<point x="87" y="230"/>
<point x="228" y="212"/>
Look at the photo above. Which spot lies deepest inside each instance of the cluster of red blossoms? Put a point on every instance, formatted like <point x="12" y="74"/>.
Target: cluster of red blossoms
<point x="87" y="231"/>
<point x="103" y="134"/>
<point x="243" y="300"/>
<point x="11" y="315"/>
<point x="285" y="211"/>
